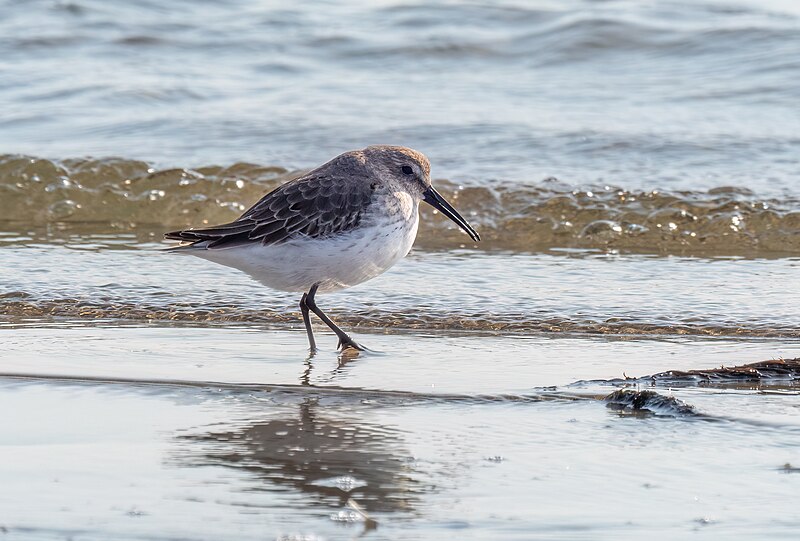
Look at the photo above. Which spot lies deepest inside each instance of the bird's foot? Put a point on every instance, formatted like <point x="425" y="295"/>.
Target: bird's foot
<point x="345" y="342"/>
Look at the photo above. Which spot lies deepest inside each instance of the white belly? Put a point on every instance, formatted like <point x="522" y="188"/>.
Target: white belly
<point x="333" y="263"/>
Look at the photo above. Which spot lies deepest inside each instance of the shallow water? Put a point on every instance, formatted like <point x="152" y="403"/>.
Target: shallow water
<point x="631" y="166"/>
<point x="513" y="293"/>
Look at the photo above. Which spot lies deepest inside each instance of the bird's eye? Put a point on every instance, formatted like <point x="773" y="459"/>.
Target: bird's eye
<point x="406" y="170"/>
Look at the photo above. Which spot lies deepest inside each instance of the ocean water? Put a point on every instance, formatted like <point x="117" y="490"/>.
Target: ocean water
<point x="633" y="169"/>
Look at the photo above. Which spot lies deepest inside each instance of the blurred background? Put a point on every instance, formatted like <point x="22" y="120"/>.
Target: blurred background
<point x="671" y="94"/>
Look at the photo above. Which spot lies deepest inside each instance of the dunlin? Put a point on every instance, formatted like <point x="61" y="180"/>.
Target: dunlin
<point x="343" y="223"/>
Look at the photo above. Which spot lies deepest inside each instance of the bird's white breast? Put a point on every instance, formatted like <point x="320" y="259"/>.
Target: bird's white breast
<point x="334" y="262"/>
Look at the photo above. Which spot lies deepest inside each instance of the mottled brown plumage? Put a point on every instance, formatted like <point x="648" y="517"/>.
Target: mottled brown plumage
<point x="329" y="200"/>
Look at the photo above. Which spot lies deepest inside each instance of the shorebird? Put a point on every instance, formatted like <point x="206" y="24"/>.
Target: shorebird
<point x="343" y="223"/>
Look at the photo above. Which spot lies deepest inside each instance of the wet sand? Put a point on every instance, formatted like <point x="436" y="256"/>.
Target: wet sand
<point x="245" y="437"/>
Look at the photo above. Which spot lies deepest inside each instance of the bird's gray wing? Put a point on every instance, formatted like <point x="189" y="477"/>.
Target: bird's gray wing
<point x="316" y="205"/>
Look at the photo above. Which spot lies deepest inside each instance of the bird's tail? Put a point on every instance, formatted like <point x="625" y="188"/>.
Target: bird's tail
<point x="211" y="237"/>
<point x="189" y="241"/>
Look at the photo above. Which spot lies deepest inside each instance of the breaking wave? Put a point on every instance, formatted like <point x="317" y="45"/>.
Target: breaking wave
<point x="525" y="216"/>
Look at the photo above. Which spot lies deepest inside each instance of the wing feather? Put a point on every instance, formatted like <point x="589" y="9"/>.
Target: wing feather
<point x="316" y="205"/>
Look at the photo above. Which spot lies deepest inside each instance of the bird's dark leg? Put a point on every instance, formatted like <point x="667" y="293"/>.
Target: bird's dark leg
<point x="344" y="340"/>
<point x="307" y="320"/>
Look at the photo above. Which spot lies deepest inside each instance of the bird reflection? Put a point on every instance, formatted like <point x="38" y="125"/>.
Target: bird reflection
<point x="331" y="457"/>
<point x="343" y="358"/>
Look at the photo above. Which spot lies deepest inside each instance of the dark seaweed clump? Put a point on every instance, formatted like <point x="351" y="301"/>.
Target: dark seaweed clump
<point x="775" y="369"/>
<point x="647" y="402"/>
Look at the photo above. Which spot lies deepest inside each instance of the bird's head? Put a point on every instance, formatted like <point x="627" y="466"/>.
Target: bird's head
<point x="411" y="171"/>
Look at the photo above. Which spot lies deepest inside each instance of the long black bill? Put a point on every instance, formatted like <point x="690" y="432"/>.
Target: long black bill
<point x="438" y="202"/>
